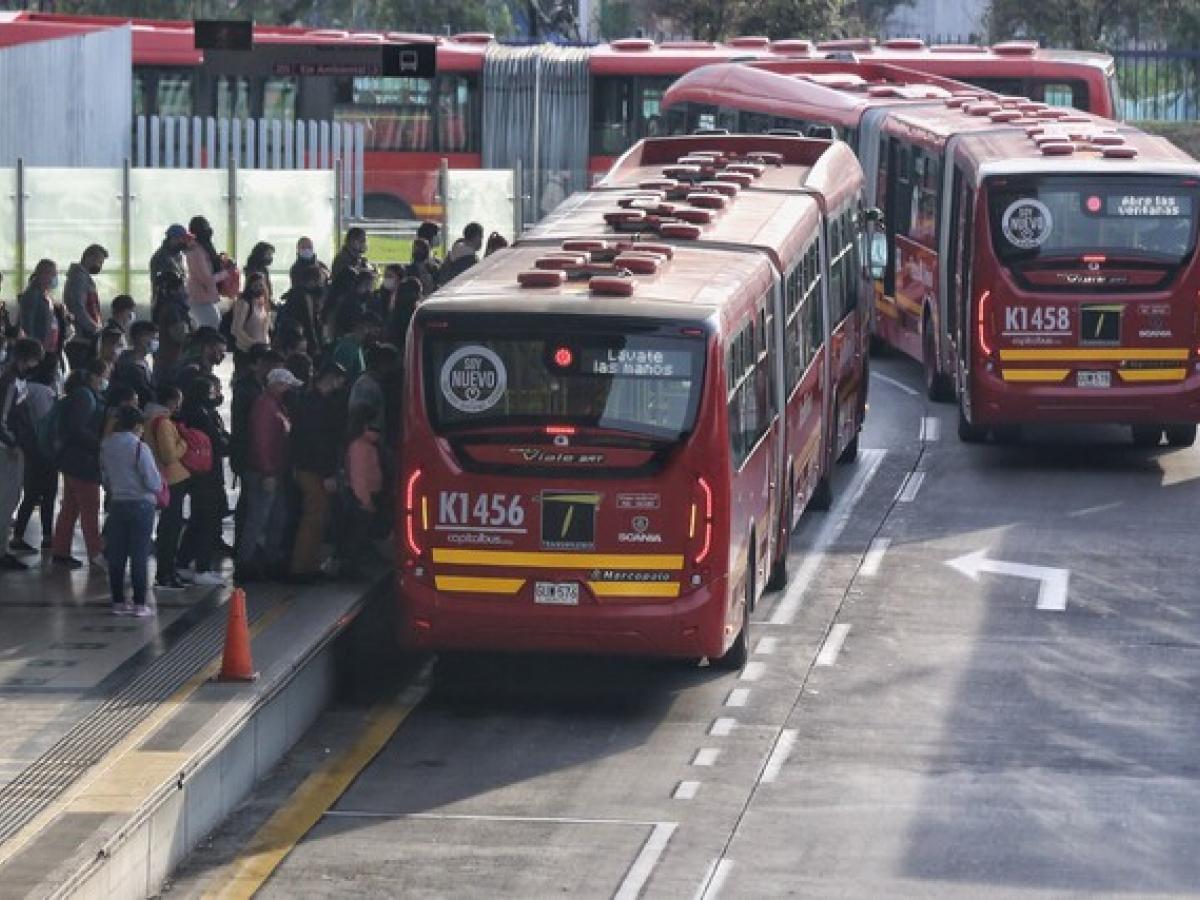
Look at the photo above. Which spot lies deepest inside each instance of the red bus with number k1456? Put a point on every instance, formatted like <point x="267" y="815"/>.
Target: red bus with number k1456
<point x="612" y="427"/>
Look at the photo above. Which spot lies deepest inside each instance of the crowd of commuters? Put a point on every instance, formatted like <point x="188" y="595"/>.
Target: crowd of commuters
<point x="118" y="422"/>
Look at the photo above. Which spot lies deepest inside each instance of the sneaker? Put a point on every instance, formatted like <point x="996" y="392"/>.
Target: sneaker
<point x="143" y="612"/>
<point x="12" y="564"/>
<point x="20" y="546"/>
<point x="69" y="562"/>
<point x="99" y="562"/>
<point x="171" y="583"/>
<point x="209" y="579"/>
<point x="123" y="609"/>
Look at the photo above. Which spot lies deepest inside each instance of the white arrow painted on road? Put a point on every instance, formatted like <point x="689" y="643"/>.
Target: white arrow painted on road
<point x="1052" y="594"/>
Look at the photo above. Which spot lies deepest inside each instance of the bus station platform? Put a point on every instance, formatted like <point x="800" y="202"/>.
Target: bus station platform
<point x="118" y="750"/>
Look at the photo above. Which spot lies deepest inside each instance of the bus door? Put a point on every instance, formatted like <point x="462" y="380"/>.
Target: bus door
<point x="956" y="283"/>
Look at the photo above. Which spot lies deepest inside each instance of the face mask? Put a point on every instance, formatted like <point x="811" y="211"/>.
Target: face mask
<point x="54" y="283"/>
<point x="390" y="283"/>
<point x="103" y="385"/>
<point x="306" y="254"/>
<point x="153" y="348"/>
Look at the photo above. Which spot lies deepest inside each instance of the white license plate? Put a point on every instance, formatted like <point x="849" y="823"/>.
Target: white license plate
<point x="1093" y="379"/>
<point x="556" y="593"/>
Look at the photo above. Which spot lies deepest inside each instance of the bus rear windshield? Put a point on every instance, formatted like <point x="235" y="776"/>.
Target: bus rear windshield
<point x="639" y="385"/>
<point x="1047" y="216"/>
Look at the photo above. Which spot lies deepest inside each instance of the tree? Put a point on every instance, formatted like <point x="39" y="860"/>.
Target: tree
<point x="794" y="19"/>
<point x="705" y="20"/>
<point x="1079" y="24"/>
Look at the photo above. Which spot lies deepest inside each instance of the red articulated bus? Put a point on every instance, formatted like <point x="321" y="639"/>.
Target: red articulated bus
<point x="1040" y="263"/>
<point x="411" y="124"/>
<point x="612" y="427"/>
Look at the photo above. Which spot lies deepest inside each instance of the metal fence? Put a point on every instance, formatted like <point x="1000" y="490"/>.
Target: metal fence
<point x="171" y="142"/>
<point x="1158" y="84"/>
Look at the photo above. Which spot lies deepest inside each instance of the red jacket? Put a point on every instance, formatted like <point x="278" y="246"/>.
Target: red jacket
<point x="269" y="430"/>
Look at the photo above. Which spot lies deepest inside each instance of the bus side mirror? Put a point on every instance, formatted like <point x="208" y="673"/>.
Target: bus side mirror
<point x="877" y="257"/>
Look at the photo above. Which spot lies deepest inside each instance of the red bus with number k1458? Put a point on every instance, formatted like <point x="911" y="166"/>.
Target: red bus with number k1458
<point x="612" y="427"/>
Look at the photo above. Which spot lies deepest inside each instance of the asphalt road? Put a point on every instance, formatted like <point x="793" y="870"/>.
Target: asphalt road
<point x="906" y="728"/>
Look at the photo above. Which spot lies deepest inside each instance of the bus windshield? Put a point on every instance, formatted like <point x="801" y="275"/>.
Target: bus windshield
<point x="1151" y="218"/>
<point x="644" y="385"/>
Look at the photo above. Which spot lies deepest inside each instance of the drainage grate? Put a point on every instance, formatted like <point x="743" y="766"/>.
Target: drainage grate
<point x="96" y="734"/>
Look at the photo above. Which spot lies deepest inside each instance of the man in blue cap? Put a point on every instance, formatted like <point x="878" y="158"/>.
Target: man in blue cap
<point x="169" y="256"/>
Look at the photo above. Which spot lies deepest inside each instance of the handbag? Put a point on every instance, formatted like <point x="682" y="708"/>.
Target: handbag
<point x="162" y="497"/>
<point x="198" y="458"/>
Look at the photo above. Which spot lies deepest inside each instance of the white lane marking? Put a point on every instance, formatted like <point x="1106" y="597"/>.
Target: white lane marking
<point x="930" y="429"/>
<point x="779" y="754"/>
<point x="898" y="385"/>
<point x="1053" y="583"/>
<point x="833" y="645"/>
<point x="722" y="727"/>
<point x="910" y="487"/>
<point x="753" y="671"/>
<point x="766" y="646"/>
<point x="706" y="756"/>
<point x="686" y="790"/>
<point x="874" y="558"/>
<point x="1092" y="510"/>
<point x="714" y="880"/>
<point x="832" y="528"/>
<point x="639" y="873"/>
<point x="738" y="697"/>
<point x="479" y="817"/>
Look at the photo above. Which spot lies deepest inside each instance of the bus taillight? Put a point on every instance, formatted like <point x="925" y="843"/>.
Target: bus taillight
<point x="983" y="326"/>
<point x="701" y="520"/>
<point x="410" y="513"/>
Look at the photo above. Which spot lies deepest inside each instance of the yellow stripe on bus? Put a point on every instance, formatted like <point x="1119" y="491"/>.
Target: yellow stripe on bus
<point x="634" y="588"/>
<point x="468" y="585"/>
<point x="1153" y="374"/>
<point x="553" y="560"/>
<point x="1035" y="374"/>
<point x="1062" y="354"/>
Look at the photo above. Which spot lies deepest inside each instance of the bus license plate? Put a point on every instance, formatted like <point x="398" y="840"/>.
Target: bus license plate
<point x="556" y="593"/>
<point x="1093" y="379"/>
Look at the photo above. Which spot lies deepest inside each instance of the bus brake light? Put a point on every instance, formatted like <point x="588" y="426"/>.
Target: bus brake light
<point x="410" y="513"/>
<point x="704" y="513"/>
<point x="983" y="324"/>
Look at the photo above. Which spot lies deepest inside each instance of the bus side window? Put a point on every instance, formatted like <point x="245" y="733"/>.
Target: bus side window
<point x="611" y="102"/>
<point x="733" y="375"/>
<point x="279" y="99"/>
<point x="650" y="90"/>
<point x="233" y="97"/>
<point x="952" y="257"/>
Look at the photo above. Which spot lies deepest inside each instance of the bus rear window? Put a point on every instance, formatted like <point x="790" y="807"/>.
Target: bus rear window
<point x="1040" y="217"/>
<point x="646" y="385"/>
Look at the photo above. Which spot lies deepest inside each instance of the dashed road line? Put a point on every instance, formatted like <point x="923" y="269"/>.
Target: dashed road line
<point x="911" y="486"/>
<point x="722" y="727"/>
<point x="930" y="429"/>
<point x="753" y="671"/>
<point x="639" y="873"/>
<point x="714" y="879"/>
<point x="686" y="790"/>
<point x="874" y="558"/>
<point x="898" y="385"/>
<point x="766" y="646"/>
<point x="834" y="525"/>
<point x="738" y="697"/>
<point x="833" y="645"/>
<point x="706" y="756"/>
<point x="779" y="755"/>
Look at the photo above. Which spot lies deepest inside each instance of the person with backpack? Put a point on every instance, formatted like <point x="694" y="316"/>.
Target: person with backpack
<point x="201" y="426"/>
<point x="134" y="487"/>
<point x="41" y="471"/>
<point x="205" y="272"/>
<point x="169" y="448"/>
<point x="26" y="356"/>
<point x="134" y="368"/>
<point x="79" y="425"/>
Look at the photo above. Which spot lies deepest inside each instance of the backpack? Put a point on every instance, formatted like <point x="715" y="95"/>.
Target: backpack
<point x="20" y="420"/>
<point x="48" y="432"/>
<point x="198" y="458"/>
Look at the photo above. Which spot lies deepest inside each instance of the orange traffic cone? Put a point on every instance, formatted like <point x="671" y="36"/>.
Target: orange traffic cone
<point x="236" y="664"/>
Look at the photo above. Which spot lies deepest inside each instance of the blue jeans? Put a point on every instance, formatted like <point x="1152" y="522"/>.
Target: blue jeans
<point x="128" y="538"/>
<point x="264" y="522"/>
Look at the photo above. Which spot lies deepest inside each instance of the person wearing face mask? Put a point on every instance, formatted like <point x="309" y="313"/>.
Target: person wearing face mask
<point x="120" y="317"/>
<point x="81" y="425"/>
<point x="206" y="351"/>
<point x="26" y="355"/>
<point x="36" y="305"/>
<point x="317" y="426"/>
<point x="259" y="263"/>
<point x="301" y="311"/>
<point x="82" y="301"/>
<point x="202" y="399"/>
<point x="423" y="267"/>
<point x="169" y="256"/>
<point x="384" y="300"/>
<point x="251" y="320"/>
<point x="351" y="306"/>
<point x="352" y="254"/>
<point x="41" y="472"/>
<point x="306" y="264"/>
<point x="163" y="438"/>
<point x="133" y="367"/>
<point x="205" y="272"/>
